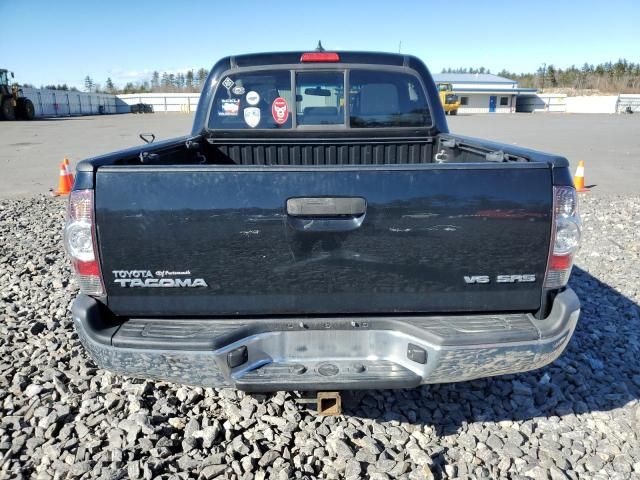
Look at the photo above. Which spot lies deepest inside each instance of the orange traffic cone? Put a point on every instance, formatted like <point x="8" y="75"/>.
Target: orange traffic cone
<point x="65" y="180"/>
<point x="578" y="179"/>
<point x="69" y="174"/>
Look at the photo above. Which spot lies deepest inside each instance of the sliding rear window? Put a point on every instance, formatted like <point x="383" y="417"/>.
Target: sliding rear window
<point x="264" y="100"/>
<point x="320" y="98"/>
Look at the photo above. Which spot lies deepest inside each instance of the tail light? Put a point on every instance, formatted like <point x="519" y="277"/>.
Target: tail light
<point x="565" y="237"/>
<point x="320" y="57"/>
<point x="80" y="242"/>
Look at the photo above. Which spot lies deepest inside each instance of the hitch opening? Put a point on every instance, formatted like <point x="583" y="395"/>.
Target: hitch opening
<point x="329" y="404"/>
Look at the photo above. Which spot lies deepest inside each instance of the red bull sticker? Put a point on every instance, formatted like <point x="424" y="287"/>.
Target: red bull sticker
<point x="280" y="110"/>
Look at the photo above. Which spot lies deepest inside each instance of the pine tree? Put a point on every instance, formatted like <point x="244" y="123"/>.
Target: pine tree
<point x="551" y="76"/>
<point x="189" y="80"/>
<point x="88" y="84"/>
<point x="109" y="86"/>
<point x="180" y="81"/>
<point x="165" y="81"/>
<point x="202" y="76"/>
<point x="155" y="80"/>
<point x="620" y="67"/>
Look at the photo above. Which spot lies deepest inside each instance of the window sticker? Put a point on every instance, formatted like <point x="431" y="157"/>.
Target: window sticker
<point x="228" y="83"/>
<point x="259" y="89"/>
<point x="252" y="116"/>
<point x="253" y="98"/>
<point x="280" y="110"/>
<point x="230" y="107"/>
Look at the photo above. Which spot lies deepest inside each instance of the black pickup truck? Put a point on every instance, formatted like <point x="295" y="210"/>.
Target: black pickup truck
<point x="321" y="229"/>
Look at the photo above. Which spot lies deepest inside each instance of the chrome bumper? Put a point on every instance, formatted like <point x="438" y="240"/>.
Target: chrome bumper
<point x="328" y="353"/>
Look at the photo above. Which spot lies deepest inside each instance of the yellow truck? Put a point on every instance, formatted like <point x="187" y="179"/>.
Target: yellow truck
<point x="450" y="101"/>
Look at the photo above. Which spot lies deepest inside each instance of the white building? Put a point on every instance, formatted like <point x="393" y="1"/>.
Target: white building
<point x="483" y="92"/>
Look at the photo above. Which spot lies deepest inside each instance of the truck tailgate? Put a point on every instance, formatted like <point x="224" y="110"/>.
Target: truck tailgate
<point x="233" y="240"/>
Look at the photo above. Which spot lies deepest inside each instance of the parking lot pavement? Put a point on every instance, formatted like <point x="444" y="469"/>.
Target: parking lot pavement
<point x="609" y="144"/>
<point x="61" y="417"/>
<point x="30" y="152"/>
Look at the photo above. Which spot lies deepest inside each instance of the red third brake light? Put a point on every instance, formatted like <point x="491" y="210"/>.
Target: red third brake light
<point x="320" y="57"/>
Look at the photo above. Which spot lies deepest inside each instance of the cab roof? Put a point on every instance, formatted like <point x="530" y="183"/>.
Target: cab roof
<point x="279" y="58"/>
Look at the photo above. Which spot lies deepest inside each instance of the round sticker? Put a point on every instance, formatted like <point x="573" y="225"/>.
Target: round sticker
<point x="238" y="90"/>
<point x="280" y="110"/>
<point x="253" y="98"/>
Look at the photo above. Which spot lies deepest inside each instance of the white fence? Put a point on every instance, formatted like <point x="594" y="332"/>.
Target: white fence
<point x="629" y="103"/>
<point x="59" y="103"/>
<point x="161" y="102"/>
<point x="561" y="103"/>
<point x="592" y="104"/>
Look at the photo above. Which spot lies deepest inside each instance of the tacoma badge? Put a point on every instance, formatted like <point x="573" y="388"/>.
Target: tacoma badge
<point x="145" y="279"/>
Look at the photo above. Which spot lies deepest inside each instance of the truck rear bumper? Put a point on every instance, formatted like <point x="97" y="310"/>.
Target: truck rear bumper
<point x="325" y="353"/>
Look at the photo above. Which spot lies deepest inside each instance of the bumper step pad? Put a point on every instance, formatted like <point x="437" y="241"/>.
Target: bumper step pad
<point x="334" y="375"/>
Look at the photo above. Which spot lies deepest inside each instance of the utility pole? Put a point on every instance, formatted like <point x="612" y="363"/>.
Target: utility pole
<point x="400" y="47"/>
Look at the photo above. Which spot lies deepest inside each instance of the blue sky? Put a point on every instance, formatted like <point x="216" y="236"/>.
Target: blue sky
<point x="58" y="42"/>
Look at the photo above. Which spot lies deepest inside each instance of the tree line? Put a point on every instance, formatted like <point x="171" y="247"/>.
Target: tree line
<point x="608" y="77"/>
<point x="466" y="70"/>
<point x="61" y="86"/>
<point x="190" y="81"/>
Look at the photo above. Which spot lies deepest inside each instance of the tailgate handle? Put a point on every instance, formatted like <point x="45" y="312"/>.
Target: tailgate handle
<point x="326" y="214"/>
<point x="326" y="206"/>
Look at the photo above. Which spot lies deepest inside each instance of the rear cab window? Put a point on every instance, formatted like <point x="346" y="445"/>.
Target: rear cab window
<point x="317" y="99"/>
<point x="387" y="99"/>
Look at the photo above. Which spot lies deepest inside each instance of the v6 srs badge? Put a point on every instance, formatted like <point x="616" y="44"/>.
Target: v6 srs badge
<point x="161" y="279"/>
<point x="518" y="278"/>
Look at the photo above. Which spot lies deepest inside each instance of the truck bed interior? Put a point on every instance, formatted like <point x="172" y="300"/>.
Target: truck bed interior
<point x="442" y="148"/>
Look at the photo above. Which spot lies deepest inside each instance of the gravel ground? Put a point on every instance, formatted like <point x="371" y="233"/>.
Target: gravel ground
<point x="64" y="418"/>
